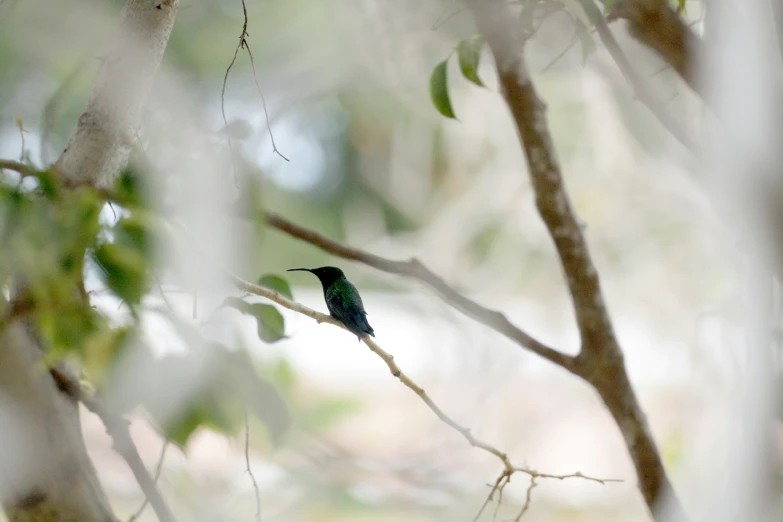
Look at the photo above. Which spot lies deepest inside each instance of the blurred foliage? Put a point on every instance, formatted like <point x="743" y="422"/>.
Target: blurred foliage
<point x="271" y="325"/>
<point x="276" y="283"/>
<point x="52" y="237"/>
<point x="350" y="113"/>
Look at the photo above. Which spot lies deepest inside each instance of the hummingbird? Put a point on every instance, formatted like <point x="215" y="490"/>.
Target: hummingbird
<point x="342" y="299"/>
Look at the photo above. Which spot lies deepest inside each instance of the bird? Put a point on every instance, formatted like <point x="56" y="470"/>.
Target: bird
<point x="342" y="299"/>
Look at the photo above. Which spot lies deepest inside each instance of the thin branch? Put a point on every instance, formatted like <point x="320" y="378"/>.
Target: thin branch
<point x="508" y="468"/>
<point x="21" y="168"/>
<point x="632" y="77"/>
<point x="414" y="269"/>
<point x="263" y="103"/>
<point x="505" y="477"/>
<point x="244" y="45"/>
<point x="158" y="470"/>
<point x="249" y="470"/>
<point x="223" y="95"/>
<point x="497" y="487"/>
<point x="528" y="496"/>
<point x="22" y="131"/>
<point x="117" y="428"/>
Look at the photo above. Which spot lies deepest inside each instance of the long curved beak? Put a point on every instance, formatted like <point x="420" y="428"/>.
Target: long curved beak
<point x="298" y="270"/>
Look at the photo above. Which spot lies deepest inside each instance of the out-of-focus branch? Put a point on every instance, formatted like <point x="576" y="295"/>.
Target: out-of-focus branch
<point x="414" y="269"/>
<point x="600" y="361"/>
<point x="508" y="468"/>
<point x="158" y="470"/>
<point x="631" y="76"/>
<point x="123" y="444"/>
<point x="100" y="144"/>
<point x="250" y="470"/>
<point x="21" y="168"/>
<point x="656" y="25"/>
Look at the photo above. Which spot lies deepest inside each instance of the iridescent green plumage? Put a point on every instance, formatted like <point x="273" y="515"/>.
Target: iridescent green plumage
<point x="342" y="299"/>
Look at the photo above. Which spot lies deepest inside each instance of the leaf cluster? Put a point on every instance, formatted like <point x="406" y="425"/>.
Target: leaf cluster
<point x="55" y="238"/>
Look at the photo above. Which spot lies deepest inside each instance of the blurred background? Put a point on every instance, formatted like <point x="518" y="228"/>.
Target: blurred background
<point x="372" y="164"/>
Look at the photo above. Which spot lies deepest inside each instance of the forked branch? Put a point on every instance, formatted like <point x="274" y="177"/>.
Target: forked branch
<point x="600" y="361"/>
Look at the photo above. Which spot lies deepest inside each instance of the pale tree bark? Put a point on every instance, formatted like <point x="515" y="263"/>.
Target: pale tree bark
<point x="101" y="143"/>
<point x="45" y="472"/>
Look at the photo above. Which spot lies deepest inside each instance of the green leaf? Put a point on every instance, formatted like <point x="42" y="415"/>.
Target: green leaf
<point x="185" y="425"/>
<point x="124" y="271"/>
<point x="48" y="184"/>
<point x="271" y="324"/>
<point x="439" y="91"/>
<point x="469" y="54"/>
<point x="237" y="303"/>
<point x="276" y="283"/>
<point x="608" y="6"/>
<point x="138" y="231"/>
<point x="66" y="329"/>
<point x="128" y="190"/>
<point x="126" y="260"/>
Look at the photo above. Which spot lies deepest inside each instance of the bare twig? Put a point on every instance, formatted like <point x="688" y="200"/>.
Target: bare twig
<point x="528" y="496"/>
<point x="244" y="45"/>
<point x="22" y="131"/>
<point x="631" y="76"/>
<point x="414" y="269"/>
<point x="249" y="470"/>
<point x="158" y="470"/>
<point x="263" y="103"/>
<point x="223" y="94"/>
<point x="117" y="428"/>
<point x="505" y="477"/>
<point x="497" y="487"/>
<point x="508" y="468"/>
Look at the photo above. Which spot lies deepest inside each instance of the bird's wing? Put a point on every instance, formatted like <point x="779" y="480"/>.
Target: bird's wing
<point x="353" y="296"/>
<point x="346" y="305"/>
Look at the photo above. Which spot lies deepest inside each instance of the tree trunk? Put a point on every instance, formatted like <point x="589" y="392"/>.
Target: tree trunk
<point x="45" y="472"/>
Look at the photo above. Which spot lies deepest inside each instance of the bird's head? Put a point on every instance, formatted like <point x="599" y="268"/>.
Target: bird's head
<point x="326" y="274"/>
